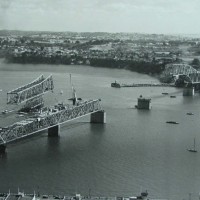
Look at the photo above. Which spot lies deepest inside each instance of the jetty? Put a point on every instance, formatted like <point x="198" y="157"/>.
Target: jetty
<point x="119" y="85"/>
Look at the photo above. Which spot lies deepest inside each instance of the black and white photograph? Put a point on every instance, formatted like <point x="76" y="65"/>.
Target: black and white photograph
<point x="99" y="100"/>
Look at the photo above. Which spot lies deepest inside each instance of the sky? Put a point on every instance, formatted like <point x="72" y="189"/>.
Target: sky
<point x="141" y="16"/>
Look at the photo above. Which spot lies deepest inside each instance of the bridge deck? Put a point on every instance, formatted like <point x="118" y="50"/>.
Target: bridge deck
<point x="57" y="115"/>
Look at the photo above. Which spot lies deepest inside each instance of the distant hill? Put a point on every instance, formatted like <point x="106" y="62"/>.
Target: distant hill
<point x="100" y="35"/>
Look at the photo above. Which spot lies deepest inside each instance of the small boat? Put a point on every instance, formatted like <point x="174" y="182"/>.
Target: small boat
<point x="115" y="84"/>
<point x="190" y="113"/>
<point x="172" y="96"/>
<point x="194" y="148"/>
<point x="165" y="93"/>
<point x="5" y="111"/>
<point x="172" y="122"/>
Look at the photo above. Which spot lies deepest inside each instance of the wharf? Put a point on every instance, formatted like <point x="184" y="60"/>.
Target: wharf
<point x="119" y="85"/>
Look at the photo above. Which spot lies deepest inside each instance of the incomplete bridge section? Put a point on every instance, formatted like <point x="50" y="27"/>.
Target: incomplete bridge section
<point x="52" y="117"/>
<point x="51" y="120"/>
<point x="38" y="87"/>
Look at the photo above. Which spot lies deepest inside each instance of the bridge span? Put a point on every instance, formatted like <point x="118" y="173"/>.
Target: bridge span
<point x="47" y="118"/>
<point x="51" y="119"/>
<point x="186" y="71"/>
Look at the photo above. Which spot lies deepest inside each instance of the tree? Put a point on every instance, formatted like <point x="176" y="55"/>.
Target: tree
<point x="195" y="63"/>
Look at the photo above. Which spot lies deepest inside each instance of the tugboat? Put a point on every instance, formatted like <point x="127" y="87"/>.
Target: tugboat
<point x="115" y="84"/>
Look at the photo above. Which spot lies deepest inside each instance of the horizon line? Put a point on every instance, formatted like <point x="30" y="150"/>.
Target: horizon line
<point x="123" y="32"/>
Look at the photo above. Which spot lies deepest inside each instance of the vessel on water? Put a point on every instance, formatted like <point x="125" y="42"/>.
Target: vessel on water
<point x="172" y="122"/>
<point x="194" y="148"/>
<point x="172" y="96"/>
<point x="190" y="113"/>
<point x="115" y="84"/>
<point x="165" y="93"/>
<point x="6" y="111"/>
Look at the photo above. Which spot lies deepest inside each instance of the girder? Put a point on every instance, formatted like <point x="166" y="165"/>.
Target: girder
<point x="39" y="86"/>
<point x="176" y="69"/>
<point x="182" y="69"/>
<point x="56" y="116"/>
<point x="34" y="103"/>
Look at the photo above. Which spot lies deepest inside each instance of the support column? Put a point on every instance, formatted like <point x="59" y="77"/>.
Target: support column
<point x="54" y="131"/>
<point x="2" y="148"/>
<point x="188" y="91"/>
<point x="98" y="117"/>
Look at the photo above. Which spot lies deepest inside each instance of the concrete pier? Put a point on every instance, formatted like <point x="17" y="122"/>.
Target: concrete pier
<point x="98" y="117"/>
<point x="2" y="149"/>
<point x="54" y="131"/>
<point x="188" y="91"/>
<point x="143" y="103"/>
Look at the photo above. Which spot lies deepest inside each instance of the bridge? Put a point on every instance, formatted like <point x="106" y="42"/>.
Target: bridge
<point x="49" y="118"/>
<point x="182" y="70"/>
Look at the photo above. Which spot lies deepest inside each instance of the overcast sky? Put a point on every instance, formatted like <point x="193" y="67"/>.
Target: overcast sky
<point x="144" y="16"/>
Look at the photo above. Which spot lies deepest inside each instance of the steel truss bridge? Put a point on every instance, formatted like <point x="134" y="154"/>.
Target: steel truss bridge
<point x="182" y="70"/>
<point x="59" y="115"/>
<point x="29" y="91"/>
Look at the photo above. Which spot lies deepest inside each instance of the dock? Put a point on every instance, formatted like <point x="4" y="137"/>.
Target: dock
<point x="119" y="85"/>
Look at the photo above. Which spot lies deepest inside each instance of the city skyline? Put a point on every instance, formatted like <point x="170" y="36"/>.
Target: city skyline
<point x="142" y="16"/>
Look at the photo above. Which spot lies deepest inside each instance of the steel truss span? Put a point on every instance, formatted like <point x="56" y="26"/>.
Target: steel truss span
<point x="46" y="120"/>
<point x="177" y="69"/>
<point x="38" y="87"/>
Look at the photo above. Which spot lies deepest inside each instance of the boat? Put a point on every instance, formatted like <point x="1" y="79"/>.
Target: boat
<point x="172" y="122"/>
<point x="165" y="93"/>
<point x="190" y="113"/>
<point x="4" y="111"/>
<point x="115" y="84"/>
<point x="194" y="148"/>
<point x="172" y="96"/>
<point x="7" y="111"/>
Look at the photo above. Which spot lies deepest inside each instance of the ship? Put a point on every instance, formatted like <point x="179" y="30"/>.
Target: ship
<point x="115" y="84"/>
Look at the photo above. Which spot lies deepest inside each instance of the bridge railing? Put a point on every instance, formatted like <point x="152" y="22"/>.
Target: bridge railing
<point x="49" y="119"/>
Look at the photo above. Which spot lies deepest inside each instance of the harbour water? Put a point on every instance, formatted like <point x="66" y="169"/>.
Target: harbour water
<point x="136" y="150"/>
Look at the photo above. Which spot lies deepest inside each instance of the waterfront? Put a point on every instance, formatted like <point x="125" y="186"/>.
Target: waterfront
<point x="135" y="149"/>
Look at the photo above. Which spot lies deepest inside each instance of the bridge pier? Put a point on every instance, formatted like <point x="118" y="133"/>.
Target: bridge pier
<point x="2" y="149"/>
<point x="98" y="117"/>
<point x="54" y="131"/>
<point x="188" y="91"/>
